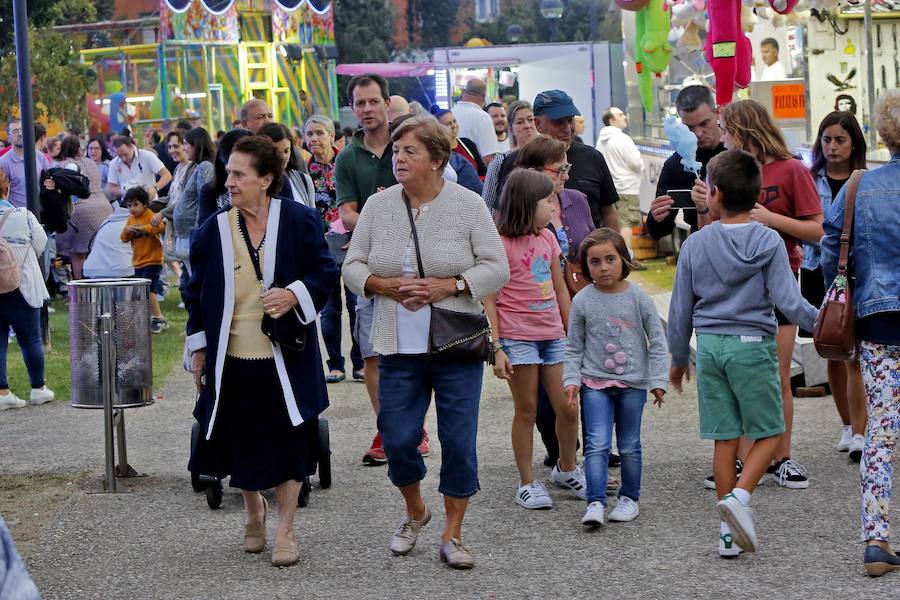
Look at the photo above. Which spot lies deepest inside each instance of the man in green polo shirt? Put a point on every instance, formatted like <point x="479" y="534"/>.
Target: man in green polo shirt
<point x="362" y="168"/>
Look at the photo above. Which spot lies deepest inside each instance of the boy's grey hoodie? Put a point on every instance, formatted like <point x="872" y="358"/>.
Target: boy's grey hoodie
<point x="728" y="282"/>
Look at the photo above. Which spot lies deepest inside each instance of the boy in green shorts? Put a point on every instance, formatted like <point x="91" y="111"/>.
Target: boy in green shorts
<point x="731" y="276"/>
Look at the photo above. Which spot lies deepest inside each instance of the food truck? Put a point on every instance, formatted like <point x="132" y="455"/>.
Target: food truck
<point x="591" y="73"/>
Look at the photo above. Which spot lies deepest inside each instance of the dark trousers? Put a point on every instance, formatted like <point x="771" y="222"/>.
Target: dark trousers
<point x="331" y="329"/>
<point x="546" y="423"/>
<point x="26" y="322"/>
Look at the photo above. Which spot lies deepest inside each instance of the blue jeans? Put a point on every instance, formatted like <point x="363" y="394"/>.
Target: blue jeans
<point x="331" y="329"/>
<point x="404" y="391"/>
<point x="26" y="322"/>
<point x="600" y="409"/>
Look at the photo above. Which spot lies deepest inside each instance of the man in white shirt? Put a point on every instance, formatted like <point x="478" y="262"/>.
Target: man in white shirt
<point x="774" y="69"/>
<point x="133" y="167"/>
<point x="625" y="165"/>
<point x="501" y="126"/>
<point x="474" y="123"/>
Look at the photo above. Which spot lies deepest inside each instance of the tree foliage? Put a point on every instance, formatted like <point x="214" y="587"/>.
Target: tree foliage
<point x="364" y="30"/>
<point x="574" y="26"/>
<point x="60" y="81"/>
<point x="434" y="22"/>
<point x="46" y="13"/>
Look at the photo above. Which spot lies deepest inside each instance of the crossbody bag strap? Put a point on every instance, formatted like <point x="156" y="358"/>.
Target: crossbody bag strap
<point x="415" y="236"/>
<point x="847" y="230"/>
<point x="254" y="253"/>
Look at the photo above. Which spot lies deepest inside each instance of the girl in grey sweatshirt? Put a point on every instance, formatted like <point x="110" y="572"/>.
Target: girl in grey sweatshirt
<point x="615" y="354"/>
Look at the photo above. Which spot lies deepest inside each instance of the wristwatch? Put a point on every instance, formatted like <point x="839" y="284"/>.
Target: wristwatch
<point x="460" y="285"/>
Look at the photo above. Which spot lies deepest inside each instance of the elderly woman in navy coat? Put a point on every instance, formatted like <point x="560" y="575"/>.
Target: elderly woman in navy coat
<point x="259" y="401"/>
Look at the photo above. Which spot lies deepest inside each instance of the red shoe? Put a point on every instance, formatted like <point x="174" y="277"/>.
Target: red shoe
<point x="423" y="445"/>
<point x="375" y="454"/>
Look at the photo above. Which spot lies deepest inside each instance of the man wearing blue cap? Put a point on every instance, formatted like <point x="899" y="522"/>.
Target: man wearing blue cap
<point x="554" y="115"/>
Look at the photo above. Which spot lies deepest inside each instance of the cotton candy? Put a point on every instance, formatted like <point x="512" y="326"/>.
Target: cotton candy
<point x="684" y="142"/>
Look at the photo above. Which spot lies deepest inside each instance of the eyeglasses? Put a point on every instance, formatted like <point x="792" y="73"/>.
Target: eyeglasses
<point x="563" y="170"/>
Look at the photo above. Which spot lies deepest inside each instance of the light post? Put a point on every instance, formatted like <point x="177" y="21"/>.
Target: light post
<point x="552" y="10"/>
<point x="26" y="108"/>
<point x="514" y="33"/>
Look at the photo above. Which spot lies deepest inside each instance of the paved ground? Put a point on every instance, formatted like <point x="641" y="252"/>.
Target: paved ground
<point x="161" y="541"/>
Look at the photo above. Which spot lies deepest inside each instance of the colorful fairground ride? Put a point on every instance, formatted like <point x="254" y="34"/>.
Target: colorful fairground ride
<point x="200" y="60"/>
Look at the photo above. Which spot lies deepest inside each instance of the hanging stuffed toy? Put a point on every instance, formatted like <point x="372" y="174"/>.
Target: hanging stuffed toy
<point x="653" y="50"/>
<point x="728" y="50"/>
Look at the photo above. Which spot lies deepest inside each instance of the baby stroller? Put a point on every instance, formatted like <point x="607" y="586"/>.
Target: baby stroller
<point x="214" y="490"/>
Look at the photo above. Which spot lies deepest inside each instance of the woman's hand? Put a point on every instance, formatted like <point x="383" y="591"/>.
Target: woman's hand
<point x="761" y="214"/>
<point x="278" y="301"/>
<point x="50" y="184"/>
<point x="157" y="219"/>
<point x="388" y="286"/>
<point x="198" y="368"/>
<point x="503" y="369"/>
<point x="429" y="290"/>
<point x="659" y="396"/>
<point x="698" y="194"/>
<point x="572" y="395"/>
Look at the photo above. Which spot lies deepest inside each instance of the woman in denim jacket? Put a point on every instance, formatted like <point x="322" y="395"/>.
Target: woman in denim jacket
<point x="876" y="264"/>
<point x="839" y="149"/>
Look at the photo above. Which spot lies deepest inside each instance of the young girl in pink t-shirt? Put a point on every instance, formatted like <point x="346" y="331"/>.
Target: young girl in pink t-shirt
<point x="528" y="316"/>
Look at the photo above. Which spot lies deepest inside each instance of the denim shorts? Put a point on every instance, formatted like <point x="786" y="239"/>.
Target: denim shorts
<point x="153" y="273"/>
<point x="531" y="352"/>
<point x="365" y="318"/>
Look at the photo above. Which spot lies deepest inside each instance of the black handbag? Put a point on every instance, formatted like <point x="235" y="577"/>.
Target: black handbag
<point x="288" y="331"/>
<point x="453" y="334"/>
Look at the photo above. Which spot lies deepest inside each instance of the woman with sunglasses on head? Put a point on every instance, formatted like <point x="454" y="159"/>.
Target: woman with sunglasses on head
<point x="521" y="131"/>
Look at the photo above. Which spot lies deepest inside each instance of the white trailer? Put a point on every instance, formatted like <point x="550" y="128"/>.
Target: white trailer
<point x="593" y="74"/>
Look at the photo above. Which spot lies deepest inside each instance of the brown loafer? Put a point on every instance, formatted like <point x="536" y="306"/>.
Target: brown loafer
<point x="456" y="555"/>
<point x="255" y="533"/>
<point x="285" y="555"/>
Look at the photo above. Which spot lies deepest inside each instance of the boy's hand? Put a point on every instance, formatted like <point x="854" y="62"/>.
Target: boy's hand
<point x="659" y="396"/>
<point x="503" y="369"/>
<point x="676" y="374"/>
<point x="572" y="395"/>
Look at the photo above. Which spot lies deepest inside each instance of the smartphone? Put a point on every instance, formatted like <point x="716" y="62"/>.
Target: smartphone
<point x="681" y="199"/>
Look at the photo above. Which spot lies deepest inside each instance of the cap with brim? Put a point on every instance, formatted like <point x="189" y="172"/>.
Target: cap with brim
<point x="555" y="104"/>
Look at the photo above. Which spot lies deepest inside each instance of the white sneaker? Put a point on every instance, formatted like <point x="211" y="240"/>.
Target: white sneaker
<point x="857" y="444"/>
<point x="727" y="547"/>
<point x="846" y="438"/>
<point x="533" y="496"/>
<point x="740" y="520"/>
<point x="571" y="480"/>
<point x="593" y="516"/>
<point x="42" y="395"/>
<point x="626" y="510"/>
<point x="10" y="400"/>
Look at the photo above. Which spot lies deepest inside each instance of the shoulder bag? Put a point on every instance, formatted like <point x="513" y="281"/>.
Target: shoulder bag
<point x="287" y="331"/>
<point x="835" y="332"/>
<point x="575" y="280"/>
<point x="453" y="334"/>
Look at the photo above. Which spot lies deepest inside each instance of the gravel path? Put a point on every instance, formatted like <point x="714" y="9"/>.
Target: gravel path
<point x="161" y="541"/>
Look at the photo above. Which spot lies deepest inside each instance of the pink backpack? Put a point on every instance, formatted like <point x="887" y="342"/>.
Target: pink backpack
<point x="10" y="269"/>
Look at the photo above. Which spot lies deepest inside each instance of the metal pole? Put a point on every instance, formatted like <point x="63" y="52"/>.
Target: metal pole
<point x="107" y="372"/>
<point x="26" y="106"/>
<point x="594" y="10"/>
<point x="870" y="75"/>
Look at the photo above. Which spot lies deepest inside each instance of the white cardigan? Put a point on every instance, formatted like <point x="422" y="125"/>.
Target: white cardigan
<point x="27" y="239"/>
<point x="457" y="237"/>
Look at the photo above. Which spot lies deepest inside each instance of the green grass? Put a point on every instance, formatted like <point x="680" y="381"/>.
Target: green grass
<point x="167" y="348"/>
<point x="658" y="275"/>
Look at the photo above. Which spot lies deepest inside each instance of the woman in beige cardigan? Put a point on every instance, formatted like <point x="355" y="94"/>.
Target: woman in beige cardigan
<point x="463" y="261"/>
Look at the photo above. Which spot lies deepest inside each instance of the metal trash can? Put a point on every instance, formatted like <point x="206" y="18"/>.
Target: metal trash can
<point x="126" y="301"/>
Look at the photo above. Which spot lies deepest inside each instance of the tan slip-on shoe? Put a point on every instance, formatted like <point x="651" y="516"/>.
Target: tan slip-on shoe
<point x="255" y="533"/>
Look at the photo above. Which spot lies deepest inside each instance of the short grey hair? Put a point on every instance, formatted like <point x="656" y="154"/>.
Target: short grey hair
<point x="322" y="120"/>
<point x="690" y="98"/>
